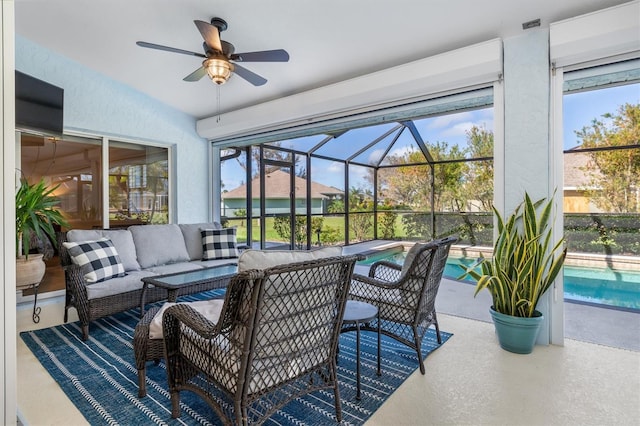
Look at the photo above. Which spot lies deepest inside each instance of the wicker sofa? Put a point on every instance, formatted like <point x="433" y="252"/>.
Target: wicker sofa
<point x="143" y="250"/>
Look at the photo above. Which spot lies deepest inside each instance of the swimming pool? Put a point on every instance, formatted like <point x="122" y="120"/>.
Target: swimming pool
<point x="615" y="288"/>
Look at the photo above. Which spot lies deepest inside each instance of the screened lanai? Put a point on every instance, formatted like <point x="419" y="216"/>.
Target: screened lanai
<point x="414" y="173"/>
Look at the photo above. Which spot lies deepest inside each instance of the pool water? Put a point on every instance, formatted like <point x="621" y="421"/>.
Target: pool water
<point x="620" y="289"/>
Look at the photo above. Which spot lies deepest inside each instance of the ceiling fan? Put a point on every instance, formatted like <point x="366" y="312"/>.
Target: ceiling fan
<point x="219" y="57"/>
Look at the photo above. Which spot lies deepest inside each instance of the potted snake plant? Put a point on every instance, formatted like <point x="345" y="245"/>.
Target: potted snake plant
<point x="36" y="213"/>
<point x="523" y="266"/>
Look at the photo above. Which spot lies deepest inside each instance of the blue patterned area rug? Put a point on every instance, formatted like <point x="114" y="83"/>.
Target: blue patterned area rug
<point x="100" y="376"/>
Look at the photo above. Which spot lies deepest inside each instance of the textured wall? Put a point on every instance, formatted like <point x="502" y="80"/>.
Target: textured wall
<point x="98" y="105"/>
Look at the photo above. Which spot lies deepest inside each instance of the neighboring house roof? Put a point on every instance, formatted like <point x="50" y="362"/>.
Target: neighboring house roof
<point x="277" y="186"/>
<point x="576" y="166"/>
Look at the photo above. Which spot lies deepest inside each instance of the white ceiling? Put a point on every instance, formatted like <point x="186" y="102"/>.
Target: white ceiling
<point x="328" y="40"/>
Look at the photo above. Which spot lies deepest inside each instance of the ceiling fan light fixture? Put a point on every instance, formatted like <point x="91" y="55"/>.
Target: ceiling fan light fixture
<point x="219" y="70"/>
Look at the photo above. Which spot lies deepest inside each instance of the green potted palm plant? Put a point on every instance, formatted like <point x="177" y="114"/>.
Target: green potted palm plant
<point x="523" y="266"/>
<point x="36" y="214"/>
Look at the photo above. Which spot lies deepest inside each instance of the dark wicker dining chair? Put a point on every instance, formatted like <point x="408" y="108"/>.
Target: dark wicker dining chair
<point x="276" y="340"/>
<point x="405" y="294"/>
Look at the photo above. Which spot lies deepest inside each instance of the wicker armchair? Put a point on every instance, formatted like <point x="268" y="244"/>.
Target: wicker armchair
<point x="405" y="295"/>
<point x="276" y="340"/>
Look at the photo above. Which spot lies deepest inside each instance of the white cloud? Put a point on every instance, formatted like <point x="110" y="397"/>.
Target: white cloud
<point x="461" y="129"/>
<point x="447" y="120"/>
<point x="375" y="155"/>
<point x="400" y="151"/>
<point x="335" y="167"/>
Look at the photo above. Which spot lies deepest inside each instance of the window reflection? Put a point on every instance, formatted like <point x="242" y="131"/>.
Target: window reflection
<point x="138" y="184"/>
<point x="74" y="164"/>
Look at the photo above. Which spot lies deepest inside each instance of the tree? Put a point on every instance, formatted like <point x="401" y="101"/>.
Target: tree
<point x="479" y="174"/>
<point x="282" y="226"/>
<point x="448" y="177"/>
<point x="406" y="184"/>
<point x="614" y="175"/>
<point x="388" y="222"/>
<point x="360" y="224"/>
<point x="241" y="213"/>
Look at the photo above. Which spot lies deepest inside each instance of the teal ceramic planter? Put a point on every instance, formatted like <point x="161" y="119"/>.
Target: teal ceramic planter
<point x="517" y="334"/>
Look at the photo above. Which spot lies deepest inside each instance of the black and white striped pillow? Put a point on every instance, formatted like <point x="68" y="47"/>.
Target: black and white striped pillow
<point x="219" y="243"/>
<point x="98" y="259"/>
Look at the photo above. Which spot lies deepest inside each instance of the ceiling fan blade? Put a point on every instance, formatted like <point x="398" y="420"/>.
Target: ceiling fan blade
<point x="210" y="34"/>
<point x="168" y="49"/>
<point x="250" y="76"/>
<point x="278" y="55"/>
<point x="196" y="75"/>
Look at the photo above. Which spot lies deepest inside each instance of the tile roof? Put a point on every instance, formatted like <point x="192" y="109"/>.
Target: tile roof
<point x="277" y="186"/>
<point x="575" y="170"/>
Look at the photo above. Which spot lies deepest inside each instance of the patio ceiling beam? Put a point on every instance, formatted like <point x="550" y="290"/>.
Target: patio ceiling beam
<point x="325" y="140"/>
<point x="418" y="138"/>
<point x="375" y="141"/>
<point x="393" y="142"/>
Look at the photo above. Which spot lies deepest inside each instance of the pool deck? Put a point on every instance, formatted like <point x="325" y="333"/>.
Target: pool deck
<point x="587" y="323"/>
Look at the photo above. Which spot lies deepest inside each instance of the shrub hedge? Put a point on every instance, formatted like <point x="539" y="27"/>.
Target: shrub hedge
<point x="601" y="233"/>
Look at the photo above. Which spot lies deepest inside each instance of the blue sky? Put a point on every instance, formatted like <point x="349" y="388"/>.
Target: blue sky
<point x="579" y="110"/>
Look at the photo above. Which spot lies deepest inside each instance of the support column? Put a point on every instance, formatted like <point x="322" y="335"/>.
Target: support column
<point x="528" y="152"/>
<point x="8" y="391"/>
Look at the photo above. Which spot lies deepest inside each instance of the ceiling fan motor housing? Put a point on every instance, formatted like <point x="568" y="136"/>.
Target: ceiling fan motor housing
<point x="219" y="23"/>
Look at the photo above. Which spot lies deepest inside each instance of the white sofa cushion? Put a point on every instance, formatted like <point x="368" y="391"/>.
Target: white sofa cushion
<point x="130" y="282"/>
<point x="173" y="268"/>
<point x="214" y="262"/>
<point x="159" y="244"/>
<point x="122" y="241"/>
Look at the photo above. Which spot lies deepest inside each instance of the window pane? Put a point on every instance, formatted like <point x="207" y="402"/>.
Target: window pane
<point x="74" y="164"/>
<point x="581" y="109"/>
<point x="138" y="184"/>
<point x="233" y="185"/>
<point x="459" y="135"/>
<point x="602" y="195"/>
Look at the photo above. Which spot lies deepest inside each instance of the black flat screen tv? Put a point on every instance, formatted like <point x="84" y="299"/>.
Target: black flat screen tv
<point x="39" y="105"/>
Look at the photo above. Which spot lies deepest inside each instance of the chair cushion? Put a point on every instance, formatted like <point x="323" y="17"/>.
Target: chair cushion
<point x="98" y="260"/>
<point x="264" y="259"/>
<point x="219" y="244"/>
<point x="193" y="238"/>
<point x="210" y="309"/>
<point x="121" y="238"/>
<point x="159" y="244"/>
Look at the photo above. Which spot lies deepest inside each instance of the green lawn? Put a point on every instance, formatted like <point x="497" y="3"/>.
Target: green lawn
<point x="331" y="225"/>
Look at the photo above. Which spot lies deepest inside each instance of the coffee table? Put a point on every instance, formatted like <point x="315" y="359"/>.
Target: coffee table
<point x="189" y="282"/>
<point x="355" y="313"/>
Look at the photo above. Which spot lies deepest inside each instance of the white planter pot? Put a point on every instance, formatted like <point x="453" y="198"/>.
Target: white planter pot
<point x="29" y="272"/>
